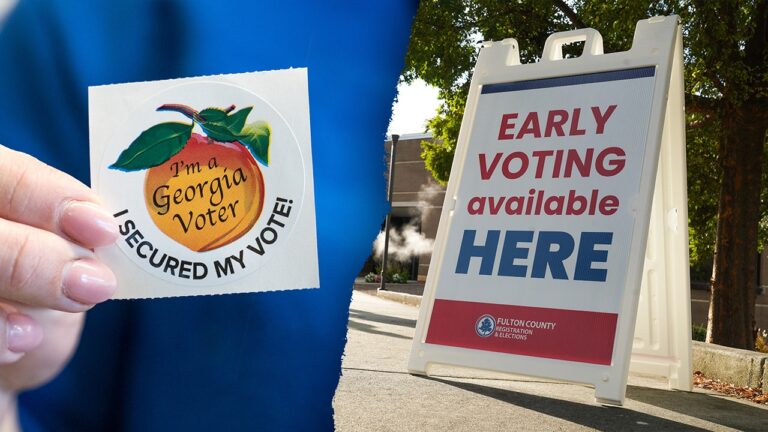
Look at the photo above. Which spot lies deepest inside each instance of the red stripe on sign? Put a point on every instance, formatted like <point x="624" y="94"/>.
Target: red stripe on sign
<point x="561" y="334"/>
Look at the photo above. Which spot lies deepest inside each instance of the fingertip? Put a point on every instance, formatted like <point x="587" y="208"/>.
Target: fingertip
<point x="87" y="282"/>
<point x="88" y="224"/>
<point x="23" y="334"/>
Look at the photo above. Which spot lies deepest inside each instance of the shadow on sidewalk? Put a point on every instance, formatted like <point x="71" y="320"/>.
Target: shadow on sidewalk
<point x="383" y="319"/>
<point x="367" y="328"/>
<point x="713" y="409"/>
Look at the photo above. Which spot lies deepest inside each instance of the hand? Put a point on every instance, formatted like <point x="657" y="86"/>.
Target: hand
<point x="49" y="275"/>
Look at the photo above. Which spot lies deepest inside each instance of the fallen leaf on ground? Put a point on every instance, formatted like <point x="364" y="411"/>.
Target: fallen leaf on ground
<point x="755" y="394"/>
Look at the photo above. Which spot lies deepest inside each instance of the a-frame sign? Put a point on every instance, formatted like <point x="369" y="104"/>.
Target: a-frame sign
<point x="543" y="243"/>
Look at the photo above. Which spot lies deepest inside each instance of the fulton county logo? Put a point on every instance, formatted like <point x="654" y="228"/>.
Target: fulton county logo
<point x="485" y="325"/>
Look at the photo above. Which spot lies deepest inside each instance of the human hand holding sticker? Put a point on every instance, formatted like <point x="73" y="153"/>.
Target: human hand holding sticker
<point x="48" y="275"/>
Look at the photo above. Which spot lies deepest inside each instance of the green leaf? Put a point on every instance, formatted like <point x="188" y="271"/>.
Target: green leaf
<point x="154" y="146"/>
<point x="236" y="121"/>
<point x="213" y="114"/>
<point x="256" y="137"/>
<point x="220" y="126"/>
<point x="218" y="131"/>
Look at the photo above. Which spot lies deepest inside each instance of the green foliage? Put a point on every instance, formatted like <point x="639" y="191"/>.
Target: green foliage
<point x="438" y="155"/>
<point x="723" y="71"/>
<point x="446" y="39"/>
<point x="703" y="193"/>
<point x="698" y="332"/>
<point x="448" y="52"/>
<point x="396" y="273"/>
<point x="721" y="53"/>
<point x="400" y="277"/>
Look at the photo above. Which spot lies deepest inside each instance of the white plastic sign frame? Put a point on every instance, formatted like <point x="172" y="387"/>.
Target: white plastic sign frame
<point x="540" y="252"/>
<point x="662" y="337"/>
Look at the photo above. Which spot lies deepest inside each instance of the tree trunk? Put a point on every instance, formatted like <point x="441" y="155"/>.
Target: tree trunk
<point x="734" y="274"/>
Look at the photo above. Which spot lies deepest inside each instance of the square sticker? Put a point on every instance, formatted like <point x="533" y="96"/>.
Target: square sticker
<point x="210" y="180"/>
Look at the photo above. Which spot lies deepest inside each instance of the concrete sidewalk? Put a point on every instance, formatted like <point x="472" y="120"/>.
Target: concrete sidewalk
<point x="376" y="393"/>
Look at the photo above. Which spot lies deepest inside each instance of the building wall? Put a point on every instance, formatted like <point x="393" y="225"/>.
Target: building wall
<point x="416" y="193"/>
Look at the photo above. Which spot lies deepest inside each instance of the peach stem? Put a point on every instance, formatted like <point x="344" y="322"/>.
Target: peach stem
<point x="187" y="111"/>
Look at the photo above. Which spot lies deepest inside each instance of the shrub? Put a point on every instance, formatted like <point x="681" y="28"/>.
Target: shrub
<point x="400" y="277"/>
<point x="699" y="332"/>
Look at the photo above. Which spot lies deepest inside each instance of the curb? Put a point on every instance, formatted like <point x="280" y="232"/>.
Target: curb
<point x="396" y="296"/>
<point x="409" y="299"/>
<point x="734" y="366"/>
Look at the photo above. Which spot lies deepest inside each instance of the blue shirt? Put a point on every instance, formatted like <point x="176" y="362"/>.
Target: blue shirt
<point x="267" y="361"/>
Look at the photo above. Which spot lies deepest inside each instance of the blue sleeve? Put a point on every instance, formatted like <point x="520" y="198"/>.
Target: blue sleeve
<point x="238" y="362"/>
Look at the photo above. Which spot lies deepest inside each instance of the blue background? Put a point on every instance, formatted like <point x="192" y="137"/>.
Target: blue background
<point x="236" y="362"/>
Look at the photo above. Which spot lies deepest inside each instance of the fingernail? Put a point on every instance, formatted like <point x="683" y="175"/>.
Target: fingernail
<point x="23" y="333"/>
<point x="88" y="281"/>
<point x="88" y="224"/>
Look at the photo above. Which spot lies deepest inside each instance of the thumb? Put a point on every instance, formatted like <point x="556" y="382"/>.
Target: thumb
<point x="19" y="334"/>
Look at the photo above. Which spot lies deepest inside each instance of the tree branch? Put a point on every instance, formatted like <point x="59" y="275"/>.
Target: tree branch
<point x="569" y="13"/>
<point x="716" y="81"/>
<point x="756" y="45"/>
<point x="698" y="124"/>
<point x="700" y="104"/>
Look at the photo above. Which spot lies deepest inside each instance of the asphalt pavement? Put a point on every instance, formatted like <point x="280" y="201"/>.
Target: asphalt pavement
<point x="376" y="393"/>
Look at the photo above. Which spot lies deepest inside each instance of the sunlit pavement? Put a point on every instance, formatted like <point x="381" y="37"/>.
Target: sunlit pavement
<point x="376" y="393"/>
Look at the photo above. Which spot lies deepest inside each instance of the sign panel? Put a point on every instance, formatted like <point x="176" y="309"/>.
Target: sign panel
<point x="541" y="243"/>
<point x="544" y="216"/>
